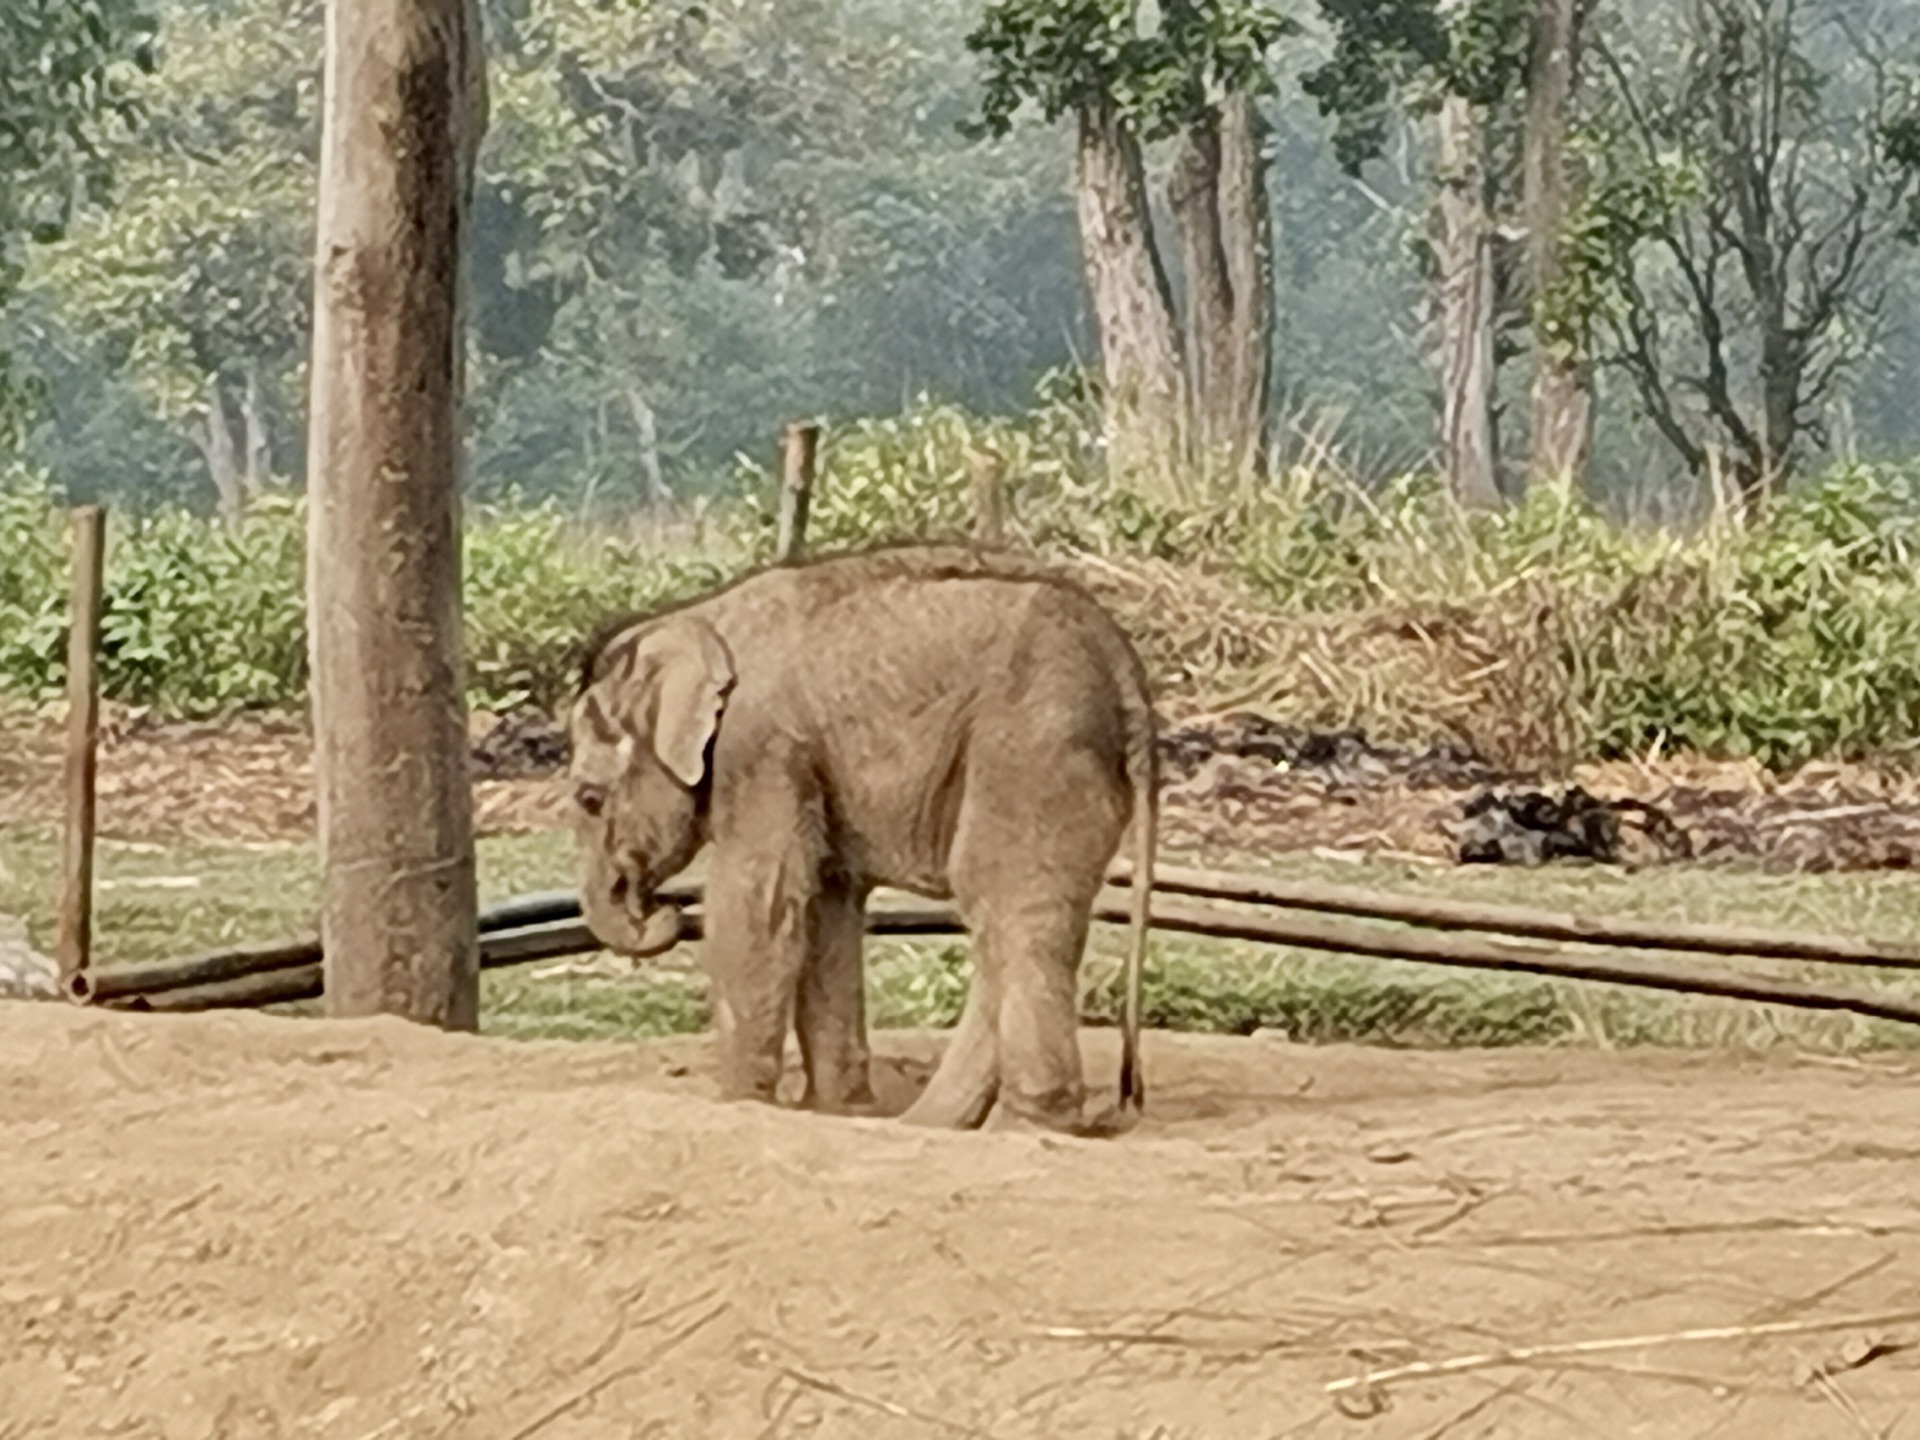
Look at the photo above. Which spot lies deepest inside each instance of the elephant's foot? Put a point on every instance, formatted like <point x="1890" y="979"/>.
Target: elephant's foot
<point x="849" y="1099"/>
<point x="1011" y="1117"/>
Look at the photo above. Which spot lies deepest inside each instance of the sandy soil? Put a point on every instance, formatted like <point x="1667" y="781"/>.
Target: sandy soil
<point x="236" y="1226"/>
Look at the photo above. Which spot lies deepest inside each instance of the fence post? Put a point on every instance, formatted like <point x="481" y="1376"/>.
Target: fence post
<point x="988" y="473"/>
<point x="73" y="948"/>
<point x="799" y="450"/>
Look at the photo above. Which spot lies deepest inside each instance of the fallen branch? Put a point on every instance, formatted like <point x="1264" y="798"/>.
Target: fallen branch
<point x="1525" y="1354"/>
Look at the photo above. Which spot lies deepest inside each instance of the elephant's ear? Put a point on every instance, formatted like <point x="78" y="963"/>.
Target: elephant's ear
<point x="680" y="673"/>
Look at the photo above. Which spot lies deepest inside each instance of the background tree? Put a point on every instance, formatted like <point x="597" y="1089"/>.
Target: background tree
<point x="1460" y="62"/>
<point x="1173" y="395"/>
<point x="1735" y="248"/>
<point x="195" y="283"/>
<point x="65" y="73"/>
<point x="1560" y="409"/>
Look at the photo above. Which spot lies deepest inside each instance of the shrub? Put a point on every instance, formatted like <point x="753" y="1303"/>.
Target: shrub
<point x="1539" y="636"/>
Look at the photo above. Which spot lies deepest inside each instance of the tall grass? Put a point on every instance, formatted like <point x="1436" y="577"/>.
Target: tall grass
<point x="1541" y="636"/>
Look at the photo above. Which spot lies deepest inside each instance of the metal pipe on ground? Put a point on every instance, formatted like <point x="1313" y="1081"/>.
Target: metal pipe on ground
<point x="499" y="948"/>
<point x="235" y="964"/>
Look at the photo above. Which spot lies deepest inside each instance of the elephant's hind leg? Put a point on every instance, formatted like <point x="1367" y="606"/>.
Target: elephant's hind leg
<point x="967" y="1081"/>
<point x="831" y="1015"/>
<point x="1029" y="858"/>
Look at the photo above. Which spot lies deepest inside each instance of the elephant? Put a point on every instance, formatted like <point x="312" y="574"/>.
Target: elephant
<point x="963" y="725"/>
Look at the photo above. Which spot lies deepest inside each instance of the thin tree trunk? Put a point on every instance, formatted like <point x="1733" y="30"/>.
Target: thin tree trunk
<point x="1193" y="195"/>
<point x="1562" y="400"/>
<point x="1145" y="398"/>
<point x="253" y="426"/>
<point x="1246" y="228"/>
<point x="215" y="442"/>
<point x="1465" y="251"/>
<point x="404" y="110"/>
<point x="1219" y="200"/>
<point x="647" y="437"/>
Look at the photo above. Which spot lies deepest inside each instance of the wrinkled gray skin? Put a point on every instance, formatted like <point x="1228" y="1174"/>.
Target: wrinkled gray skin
<point x="964" y="727"/>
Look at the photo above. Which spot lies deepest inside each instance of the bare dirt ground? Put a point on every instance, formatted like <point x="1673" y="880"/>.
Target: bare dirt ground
<point x="236" y="1226"/>
<point x="1231" y="784"/>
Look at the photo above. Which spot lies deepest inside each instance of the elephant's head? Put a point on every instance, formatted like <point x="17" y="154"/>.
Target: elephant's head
<point x="640" y="735"/>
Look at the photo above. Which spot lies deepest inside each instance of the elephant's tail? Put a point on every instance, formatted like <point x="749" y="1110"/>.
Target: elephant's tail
<point x="1143" y="774"/>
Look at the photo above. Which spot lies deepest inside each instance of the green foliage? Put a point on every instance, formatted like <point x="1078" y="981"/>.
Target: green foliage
<point x="1803" y="639"/>
<point x="1065" y="55"/>
<point x="1796" y="638"/>
<point x="199" y="617"/>
<point x="64" y="72"/>
<point x="536" y="589"/>
<point x="1413" y="51"/>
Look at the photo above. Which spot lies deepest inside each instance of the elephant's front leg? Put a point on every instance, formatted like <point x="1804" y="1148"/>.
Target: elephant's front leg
<point x="832" y="1015"/>
<point x="757" y="946"/>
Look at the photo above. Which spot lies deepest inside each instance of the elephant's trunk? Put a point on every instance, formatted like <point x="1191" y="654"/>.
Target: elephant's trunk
<point x="625" y="923"/>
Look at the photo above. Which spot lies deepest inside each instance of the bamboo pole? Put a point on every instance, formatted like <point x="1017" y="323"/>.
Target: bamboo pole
<point x="1489" y="952"/>
<point x="73" y="948"/>
<point x="906" y="916"/>
<point x="799" y="451"/>
<point x="1440" y="914"/>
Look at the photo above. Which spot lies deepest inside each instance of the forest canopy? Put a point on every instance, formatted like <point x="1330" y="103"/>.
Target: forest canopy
<point x="695" y="221"/>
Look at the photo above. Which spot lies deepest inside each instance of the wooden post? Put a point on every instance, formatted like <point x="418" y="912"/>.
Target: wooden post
<point x="799" y="449"/>
<point x="988" y="473"/>
<point x="74" y="946"/>
<point x="404" y="106"/>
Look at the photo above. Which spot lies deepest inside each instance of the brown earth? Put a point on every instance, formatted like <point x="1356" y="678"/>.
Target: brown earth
<point x="1229" y="789"/>
<point x="239" y="1226"/>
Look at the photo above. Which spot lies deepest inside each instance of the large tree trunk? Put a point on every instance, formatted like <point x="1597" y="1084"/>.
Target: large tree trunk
<point x="1145" y="399"/>
<point x="403" y="113"/>
<point x="1219" y="202"/>
<point x="215" y="441"/>
<point x="1465" y="253"/>
<point x="1562" y="400"/>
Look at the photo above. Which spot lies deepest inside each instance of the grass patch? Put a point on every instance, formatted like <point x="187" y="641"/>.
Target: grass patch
<point x="145" y="912"/>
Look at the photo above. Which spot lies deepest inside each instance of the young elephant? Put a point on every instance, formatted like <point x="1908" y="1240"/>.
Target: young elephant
<point x="965" y="727"/>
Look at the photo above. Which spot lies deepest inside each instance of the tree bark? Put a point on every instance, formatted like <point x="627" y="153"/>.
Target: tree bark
<point x="1219" y="200"/>
<point x="647" y="439"/>
<point x="1193" y="194"/>
<point x="1465" y="254"/>
<point x="1145" y="393"/>
<point x="253" y="427"/>
<point x="405" y="105"/>
<point x="1247" y="229"/>
<point x="1562" y="401"/>
<point x="215" y="441"/>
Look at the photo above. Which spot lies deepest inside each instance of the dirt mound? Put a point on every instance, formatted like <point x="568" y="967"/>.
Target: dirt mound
<point x="234" y="1225"/>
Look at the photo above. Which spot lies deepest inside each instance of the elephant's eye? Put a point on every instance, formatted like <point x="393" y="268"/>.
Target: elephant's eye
<point x="590" y="798"/>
